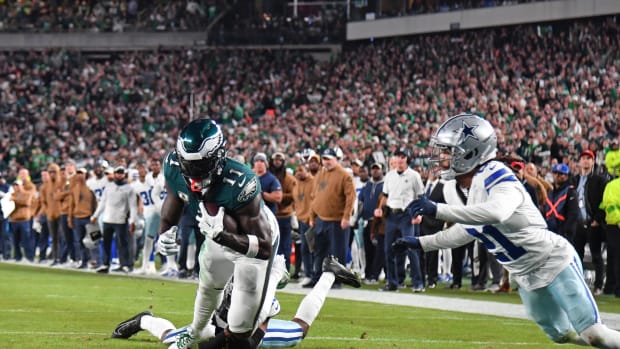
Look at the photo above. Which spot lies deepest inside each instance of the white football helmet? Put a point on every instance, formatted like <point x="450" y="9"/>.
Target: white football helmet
<point x="467" y="140"/>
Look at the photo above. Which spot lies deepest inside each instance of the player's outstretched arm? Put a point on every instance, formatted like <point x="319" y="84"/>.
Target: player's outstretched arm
<point x="253" y="234"/>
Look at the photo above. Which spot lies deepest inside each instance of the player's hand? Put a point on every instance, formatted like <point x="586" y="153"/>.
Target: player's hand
<point x="167" y="243"/>
<point x="401" y="245"/>
<point x="422" y="207"/>
<point x="210" y="226"/>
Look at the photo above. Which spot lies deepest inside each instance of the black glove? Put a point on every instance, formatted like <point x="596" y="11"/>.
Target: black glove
<point x="401" y="245"/>
<point x="422" y="207"/>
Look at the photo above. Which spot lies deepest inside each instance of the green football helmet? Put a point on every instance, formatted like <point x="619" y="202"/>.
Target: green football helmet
<point x="201" y="152"/>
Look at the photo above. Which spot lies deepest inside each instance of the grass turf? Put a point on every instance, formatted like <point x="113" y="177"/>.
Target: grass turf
<point x="55" y="308"/>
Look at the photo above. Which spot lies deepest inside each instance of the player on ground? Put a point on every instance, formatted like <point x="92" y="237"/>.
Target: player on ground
<point x="500" y="213"/>
<point x="199" y="174"/>
<point x="273" y="333"/>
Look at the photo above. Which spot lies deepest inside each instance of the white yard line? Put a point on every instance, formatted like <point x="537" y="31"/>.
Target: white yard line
<point x="433" y="302"/>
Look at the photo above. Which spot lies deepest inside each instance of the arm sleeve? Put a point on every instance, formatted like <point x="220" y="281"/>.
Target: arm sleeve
<point x="455" y="236"/>
<point x="502" y="202"/>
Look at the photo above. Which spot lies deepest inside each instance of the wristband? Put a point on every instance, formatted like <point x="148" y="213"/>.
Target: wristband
<point x="252" y="246"/>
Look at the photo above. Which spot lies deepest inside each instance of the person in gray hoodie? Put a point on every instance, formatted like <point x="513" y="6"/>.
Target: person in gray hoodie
<point x="118" y="205"/>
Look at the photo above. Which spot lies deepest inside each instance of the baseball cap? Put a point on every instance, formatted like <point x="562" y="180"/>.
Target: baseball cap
<point x="260" y="157"/>
<point x="329" y="153"/>
<point x="18" y="182"/>
<point x="120" y="169"/>
<point x="82" y="170"/>
<point x="560" y="168"/>
<point x="276" y="154"/>
<point x="517" y="165"/>
<point x="108" y="170"/>
<point x="588" y="152"/>
<point x="357" y="162"/>
<point x="377" y="165"/>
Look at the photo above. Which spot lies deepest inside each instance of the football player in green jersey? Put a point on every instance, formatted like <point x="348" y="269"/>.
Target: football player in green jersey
<point x="241" y="233"/>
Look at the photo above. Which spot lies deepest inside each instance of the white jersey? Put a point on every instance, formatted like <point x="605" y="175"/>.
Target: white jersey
<point x="97" y="185"/>
<point x="144" y="191"/>
<point x="500" y="213"/>
<point x="158" y="193"/>
<point x="402" y="189"/>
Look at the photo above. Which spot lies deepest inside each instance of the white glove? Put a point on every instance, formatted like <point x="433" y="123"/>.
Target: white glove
<point x="167" y="243"/>
<point x="210" y="226"/>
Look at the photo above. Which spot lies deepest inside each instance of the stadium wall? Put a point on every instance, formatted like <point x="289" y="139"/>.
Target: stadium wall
<point x="481" y="18"/>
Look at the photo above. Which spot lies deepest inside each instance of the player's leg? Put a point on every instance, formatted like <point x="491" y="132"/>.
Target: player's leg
<point x="570" y="292"/>
<point x="548" y="315"/>
<point x="251" y="289"/>
<point x="216" y="267"/>
<point x="151" y="225"/>
<point x="312" y="303"/>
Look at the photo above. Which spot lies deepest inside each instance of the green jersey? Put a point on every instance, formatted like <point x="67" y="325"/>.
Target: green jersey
<point x="237" y="187"/>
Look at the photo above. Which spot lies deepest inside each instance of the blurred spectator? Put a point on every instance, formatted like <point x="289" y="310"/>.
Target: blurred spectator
<point x="270" y="185"/>
<point x="332" y="207"/>
<point x="286" y="206"/>
<point x="50" y="207"/>
<point x="20" y="221"/>
<point x="402" y="186"/>
<point x="82" y="204"/>
<point x="5" y="237"/>
<point x="369" y="200"/>
<point x="611" y="205"/>
<point x="612" y="159"/>
<point x="590" y="230"/>
<point x="103" y="16"/>
<point x="118" y="206"/>
<point x="302" y="194"/>
<point x="561" y="210"/>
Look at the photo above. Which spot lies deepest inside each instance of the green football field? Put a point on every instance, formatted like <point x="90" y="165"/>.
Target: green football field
<point x="55" y="308"/>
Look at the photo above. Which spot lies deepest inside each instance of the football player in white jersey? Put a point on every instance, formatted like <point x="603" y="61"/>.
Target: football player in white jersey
<point x="273" y="333"/>
<point x="143" y="187"/>
<point x="500" y="213"/>
<point x="97" y="184"/>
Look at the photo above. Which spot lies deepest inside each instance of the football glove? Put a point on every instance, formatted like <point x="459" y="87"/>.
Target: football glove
<point x="422" y="207"/>
<point x="401" y="245"/>
<point x="210" y="226"/>
<point x="167" y="243"/>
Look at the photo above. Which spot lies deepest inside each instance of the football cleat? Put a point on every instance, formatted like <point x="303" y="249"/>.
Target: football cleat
<point x="344" y="275"/>
<point x="129" y="327"/>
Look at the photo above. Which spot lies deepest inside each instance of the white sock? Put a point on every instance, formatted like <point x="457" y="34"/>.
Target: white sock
<point x="310" y="306"/>
<point x="191" y="257"/>
<point x="171" y="261"/>
<point x="600" y="336"/>
<point x="156" y="325"/>
<point x="146" y="251"/>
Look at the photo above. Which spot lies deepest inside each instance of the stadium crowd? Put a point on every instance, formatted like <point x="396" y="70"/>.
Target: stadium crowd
<point x="106" y="16"/>
<point x="551" y="91"/>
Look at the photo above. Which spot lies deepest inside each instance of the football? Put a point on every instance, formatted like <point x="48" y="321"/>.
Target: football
<point x="230" y="223"/>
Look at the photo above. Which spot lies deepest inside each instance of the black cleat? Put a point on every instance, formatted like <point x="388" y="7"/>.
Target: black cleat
<point x="129" y="327"/>
<point x="342" y="274"/>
